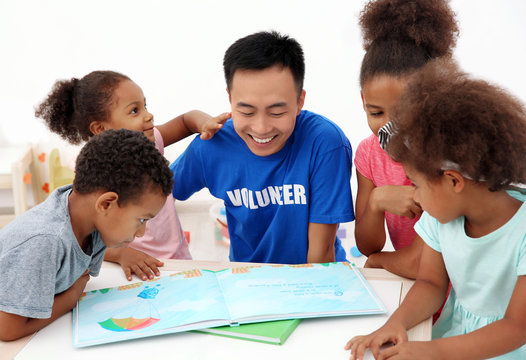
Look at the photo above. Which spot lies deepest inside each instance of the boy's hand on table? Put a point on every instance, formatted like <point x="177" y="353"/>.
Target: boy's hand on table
<point x="213" y="125"/>
<point x="136" y="262"/>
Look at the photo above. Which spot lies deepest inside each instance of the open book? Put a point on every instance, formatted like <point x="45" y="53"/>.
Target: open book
<point x="199" y="299"/>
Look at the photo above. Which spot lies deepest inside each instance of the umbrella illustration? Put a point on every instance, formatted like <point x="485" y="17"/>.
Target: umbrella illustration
<point x="137" y="316"/>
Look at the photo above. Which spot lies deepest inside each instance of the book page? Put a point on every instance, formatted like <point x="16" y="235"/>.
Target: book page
<point x="149" y="308"/>
<point x="288" y="291"/>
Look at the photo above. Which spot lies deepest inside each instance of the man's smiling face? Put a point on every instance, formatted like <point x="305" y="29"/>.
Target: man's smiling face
<point x="265" y="104"/>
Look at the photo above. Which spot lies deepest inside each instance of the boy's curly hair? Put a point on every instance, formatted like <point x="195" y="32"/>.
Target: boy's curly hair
<point x="72" y="105"/>
<point x="400" y="36"/>
<point x="123" y="161"/>
<point x="445" y="115"/>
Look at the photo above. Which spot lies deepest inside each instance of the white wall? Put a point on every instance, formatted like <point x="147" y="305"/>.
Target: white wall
<point x="173" y="49"/>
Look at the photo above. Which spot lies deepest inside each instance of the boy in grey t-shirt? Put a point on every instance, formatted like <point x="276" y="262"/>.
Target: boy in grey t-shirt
<point x="48" y="253"/>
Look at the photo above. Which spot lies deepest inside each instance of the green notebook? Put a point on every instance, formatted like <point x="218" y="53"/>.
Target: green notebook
<point x="270" y="332"/>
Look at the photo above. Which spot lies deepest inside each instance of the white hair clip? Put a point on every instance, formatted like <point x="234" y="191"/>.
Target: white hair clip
<point x="385" y="133"/>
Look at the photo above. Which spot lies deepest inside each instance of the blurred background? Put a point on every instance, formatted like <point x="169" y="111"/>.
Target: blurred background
<point x="174" y="50"/>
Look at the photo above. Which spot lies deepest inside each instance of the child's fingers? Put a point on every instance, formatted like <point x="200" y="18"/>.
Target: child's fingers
<point x="127" y="273"/>
<point x="153" y="267"/>
<point x="206" y="135"/>
<point x="417" y="210"/>
<point x="209" y="133"/>
<point x="143" y="271"/>
<point x="349" y="343"/>
<point x="158" y="263"/>
<point x="358" y="350"/>
<point x="375" y="348"/>
<point x="353" y="345"/>
<point x="224" y="117"/>
<point x="387" y="352"/>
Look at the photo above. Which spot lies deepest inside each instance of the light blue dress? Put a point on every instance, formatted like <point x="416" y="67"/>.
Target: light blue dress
<point x="483" y="272"/>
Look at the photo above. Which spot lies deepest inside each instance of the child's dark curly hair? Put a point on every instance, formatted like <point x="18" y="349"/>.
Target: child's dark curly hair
<point x="445" y="115"/>
<point x="123" y="161"/>
<point x="72" y="105"/>
<point x="400" y="36"/>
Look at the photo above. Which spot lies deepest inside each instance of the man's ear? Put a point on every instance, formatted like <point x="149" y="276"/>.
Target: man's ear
<point x="455" y="180"/>
<point x="229" y="97"/>
<point x="106" y="202"/>
<point x="96" y="127"/>
<point x="363" y="100"/>
<point x="301" y="101"/>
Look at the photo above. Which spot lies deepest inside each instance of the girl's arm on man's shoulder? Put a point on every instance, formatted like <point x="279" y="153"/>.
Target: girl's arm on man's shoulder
<point x="189" y="123"/>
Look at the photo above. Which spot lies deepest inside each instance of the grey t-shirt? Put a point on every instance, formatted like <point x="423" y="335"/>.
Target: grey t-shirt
<point x="41" y="257"/>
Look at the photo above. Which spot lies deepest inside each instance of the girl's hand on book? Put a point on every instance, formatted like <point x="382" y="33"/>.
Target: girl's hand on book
<point x="389" y="333"/>
<point x="136" y="262"/>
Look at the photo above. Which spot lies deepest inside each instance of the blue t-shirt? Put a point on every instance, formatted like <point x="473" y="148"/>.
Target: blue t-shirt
<point x="270" y="200"/>
<point x="40" y="257"/>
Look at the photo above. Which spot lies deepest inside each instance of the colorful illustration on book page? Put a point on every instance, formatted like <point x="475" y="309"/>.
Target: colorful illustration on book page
<point x="136" y="310"/>
<point x="137" y="316"/>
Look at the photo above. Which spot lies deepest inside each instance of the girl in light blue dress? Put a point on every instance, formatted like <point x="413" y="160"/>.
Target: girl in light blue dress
<point x="462" y="143"/>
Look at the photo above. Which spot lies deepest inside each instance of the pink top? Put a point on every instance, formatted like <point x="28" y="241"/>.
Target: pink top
<point x="375" y="164"/>
<point x="164" y="237"/>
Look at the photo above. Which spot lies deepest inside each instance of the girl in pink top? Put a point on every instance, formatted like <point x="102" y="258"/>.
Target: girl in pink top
<point x="77" y="109"/>
<point x="373" y="163"/>
<point x="164" y="237"/>
<point x="400" y="36"/>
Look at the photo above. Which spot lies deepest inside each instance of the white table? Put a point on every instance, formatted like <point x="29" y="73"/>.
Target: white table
<point x="322" y="338"/>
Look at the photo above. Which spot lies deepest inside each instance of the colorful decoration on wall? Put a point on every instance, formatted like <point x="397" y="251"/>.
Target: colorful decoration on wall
<point x="27" y="178"/>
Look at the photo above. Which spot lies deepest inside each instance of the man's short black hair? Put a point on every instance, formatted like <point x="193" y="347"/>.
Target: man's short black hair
<point x="263" y="50"/>
<point x="123" y="161"/>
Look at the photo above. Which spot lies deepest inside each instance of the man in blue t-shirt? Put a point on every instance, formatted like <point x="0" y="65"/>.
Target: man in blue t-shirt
<point x="283" y="173"/>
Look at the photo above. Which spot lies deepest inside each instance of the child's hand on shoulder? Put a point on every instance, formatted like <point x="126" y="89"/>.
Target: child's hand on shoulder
<point x="136" y="262"/>
<point x="210" y="127"/>
<point x="396" y="199"/>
